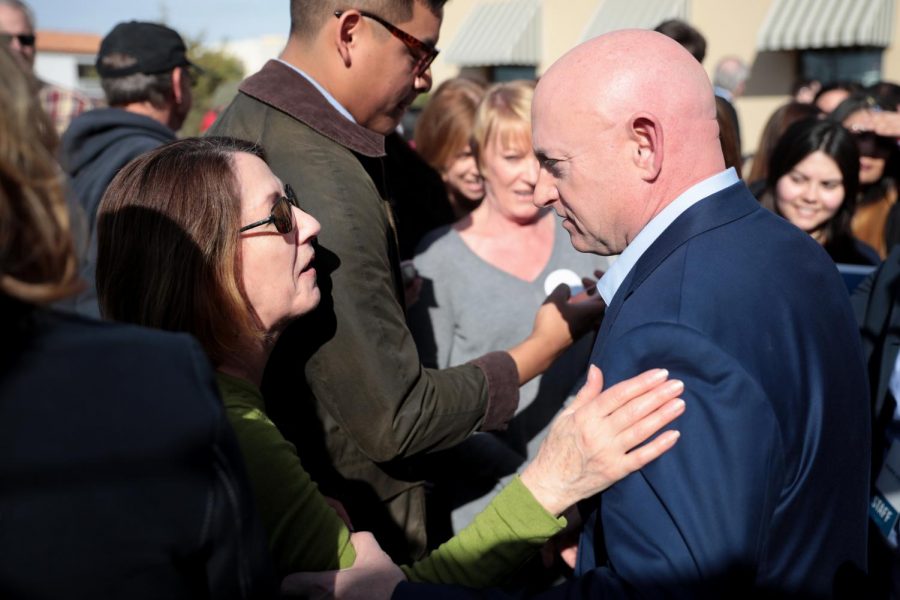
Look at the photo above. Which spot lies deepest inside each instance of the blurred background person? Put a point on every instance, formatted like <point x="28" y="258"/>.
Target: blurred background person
<point x="121" y="477"/>
<point x="443" y="137"/>
<point x="146" y="78"/>
<point x="830" y="95"/>
<point x="875" y="221"/>
<point x="728" y="135"/>
<point x="804" y="90"/>
<point x="686" y="35"/>
<point x="17" y="32"/>
<point x="245" y="269"/>
<point x="484" y="277"/>
<point x="782" y="118"/>
<point x="729" y="80"/>
<point x="888" y="91"/>
<point x="813" y="181"/>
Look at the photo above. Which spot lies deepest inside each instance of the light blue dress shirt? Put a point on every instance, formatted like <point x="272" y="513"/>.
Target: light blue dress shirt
<point x="610" y="282"/>
<point x="331" y="99"/>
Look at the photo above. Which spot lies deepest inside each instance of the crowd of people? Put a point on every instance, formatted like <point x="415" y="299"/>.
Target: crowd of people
<point x="610" y="356"/>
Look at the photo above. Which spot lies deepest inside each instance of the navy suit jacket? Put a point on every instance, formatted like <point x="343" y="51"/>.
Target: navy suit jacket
<point x="767" y="487"/>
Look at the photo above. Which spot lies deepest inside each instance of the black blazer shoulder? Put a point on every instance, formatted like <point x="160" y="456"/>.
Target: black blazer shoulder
<point x="117" y="455"/>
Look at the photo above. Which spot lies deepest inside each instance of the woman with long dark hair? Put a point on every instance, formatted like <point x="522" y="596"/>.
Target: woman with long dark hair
<point x="879" y="168"/>
<point x="813" y="181"/>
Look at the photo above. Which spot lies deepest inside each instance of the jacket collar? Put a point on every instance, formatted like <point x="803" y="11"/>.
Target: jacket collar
<point x="278" y="86"/>
<point x="725" y="206"/>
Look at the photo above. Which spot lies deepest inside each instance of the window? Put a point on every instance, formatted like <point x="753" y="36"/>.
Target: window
<point x="861" y="65"/>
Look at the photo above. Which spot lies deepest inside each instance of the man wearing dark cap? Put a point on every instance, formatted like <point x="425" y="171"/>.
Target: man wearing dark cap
<point x="146" y="77"/>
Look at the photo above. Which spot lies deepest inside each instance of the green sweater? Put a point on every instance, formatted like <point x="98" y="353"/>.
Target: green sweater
<point x="305" y="534"/>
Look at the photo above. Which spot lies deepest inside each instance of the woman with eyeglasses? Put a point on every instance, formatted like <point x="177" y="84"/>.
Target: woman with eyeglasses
<point x="812" y="181"/>
<point x="879" y="169"/>
<point x="200" y="236"/>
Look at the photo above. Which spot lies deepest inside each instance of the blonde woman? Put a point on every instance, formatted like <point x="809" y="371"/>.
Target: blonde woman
<point x="484" y="278"/>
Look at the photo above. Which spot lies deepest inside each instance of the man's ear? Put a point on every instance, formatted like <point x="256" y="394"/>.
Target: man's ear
<point x="345" y="36"/>
<point x="646" y="131"/>
<point x="178" y="75"/>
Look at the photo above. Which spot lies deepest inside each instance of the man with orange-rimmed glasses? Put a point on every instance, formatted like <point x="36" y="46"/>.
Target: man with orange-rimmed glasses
<point x="345" y="384"/>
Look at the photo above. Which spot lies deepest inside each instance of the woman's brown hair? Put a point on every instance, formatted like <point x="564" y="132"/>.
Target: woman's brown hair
<point x="37" y="257"/>
<point x="446" y="122"/>
<point x="168" y="246"/>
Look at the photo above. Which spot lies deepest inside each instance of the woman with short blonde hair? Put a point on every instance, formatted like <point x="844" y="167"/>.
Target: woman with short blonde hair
<point x="485" y="277"/>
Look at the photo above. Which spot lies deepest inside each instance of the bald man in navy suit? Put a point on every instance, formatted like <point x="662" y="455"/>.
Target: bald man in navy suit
<point x="766" y="494"/>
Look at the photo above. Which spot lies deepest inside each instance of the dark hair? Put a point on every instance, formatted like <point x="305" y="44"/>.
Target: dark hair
<point x="851" y="87"/>
<point x="447" y="121"/>
<point x="857" y="102"/>
<point x="783" y="117"/>
<point x="154" y="88"/>
<point x="731" y="149"/>
<point x="864" y="101"/>
<point x="799" y="141"/>
<point x="168" y="247"/>
<point x="680" y="31"/>
<point x="888" y="91"/>
<point x="308" y="16"/>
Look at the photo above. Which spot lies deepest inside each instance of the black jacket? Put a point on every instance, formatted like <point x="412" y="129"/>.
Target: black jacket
<point x="119" y="474"/>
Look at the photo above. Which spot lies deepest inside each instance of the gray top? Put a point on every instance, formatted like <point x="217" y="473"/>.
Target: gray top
<point x="468" y="307"/>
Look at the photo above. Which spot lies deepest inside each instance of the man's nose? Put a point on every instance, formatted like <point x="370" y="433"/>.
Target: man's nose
<point x="544" y="190"/>
<point x="423" y="81"/>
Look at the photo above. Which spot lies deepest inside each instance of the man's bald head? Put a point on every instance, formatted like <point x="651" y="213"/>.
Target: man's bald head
<point x="631" y="71"/>
<point x="640" y="110"/>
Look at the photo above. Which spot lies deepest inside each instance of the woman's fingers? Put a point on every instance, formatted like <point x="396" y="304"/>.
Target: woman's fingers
<point x="624" y="392"/>
<point x="640" y="457"/>
<point x="631" y="412"/>
<point x="592" y="387"/>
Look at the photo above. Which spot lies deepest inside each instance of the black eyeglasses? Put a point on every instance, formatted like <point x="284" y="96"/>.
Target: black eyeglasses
<point x="422" y="52"/>
<point x="281" y="214"/>
<point x="25" y="39"/>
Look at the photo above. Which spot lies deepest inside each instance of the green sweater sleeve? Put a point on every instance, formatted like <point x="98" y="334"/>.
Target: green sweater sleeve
<point x="500" y="539"/>
<point x="305" y="534"/>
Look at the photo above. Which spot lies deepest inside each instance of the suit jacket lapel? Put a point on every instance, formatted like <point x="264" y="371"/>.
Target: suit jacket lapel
<point x="724" y="206"/>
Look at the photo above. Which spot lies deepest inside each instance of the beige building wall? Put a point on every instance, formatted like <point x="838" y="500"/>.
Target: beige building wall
<point x="890" y="66"/>
<point x="455" y="13"/>
<point x="563" y="26"/>
<point x="731" y="27"/>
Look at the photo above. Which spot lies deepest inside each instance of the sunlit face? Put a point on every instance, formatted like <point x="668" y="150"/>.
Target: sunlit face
<point x="278" y="273"/>
<point x="14" y="22"/>
<point x="873" y="152"/>
<point x="510" y="173"/>
<point x="386" y="82"/>
<point x="582" y="170"/>
<point x="461" y="176"/>
<point x="811" y="193"/>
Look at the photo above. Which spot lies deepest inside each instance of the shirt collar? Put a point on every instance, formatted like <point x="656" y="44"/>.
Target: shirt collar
<point x="723" y="93"/>
<point x="325" y="93"/>
<point x="610" y="282"/>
